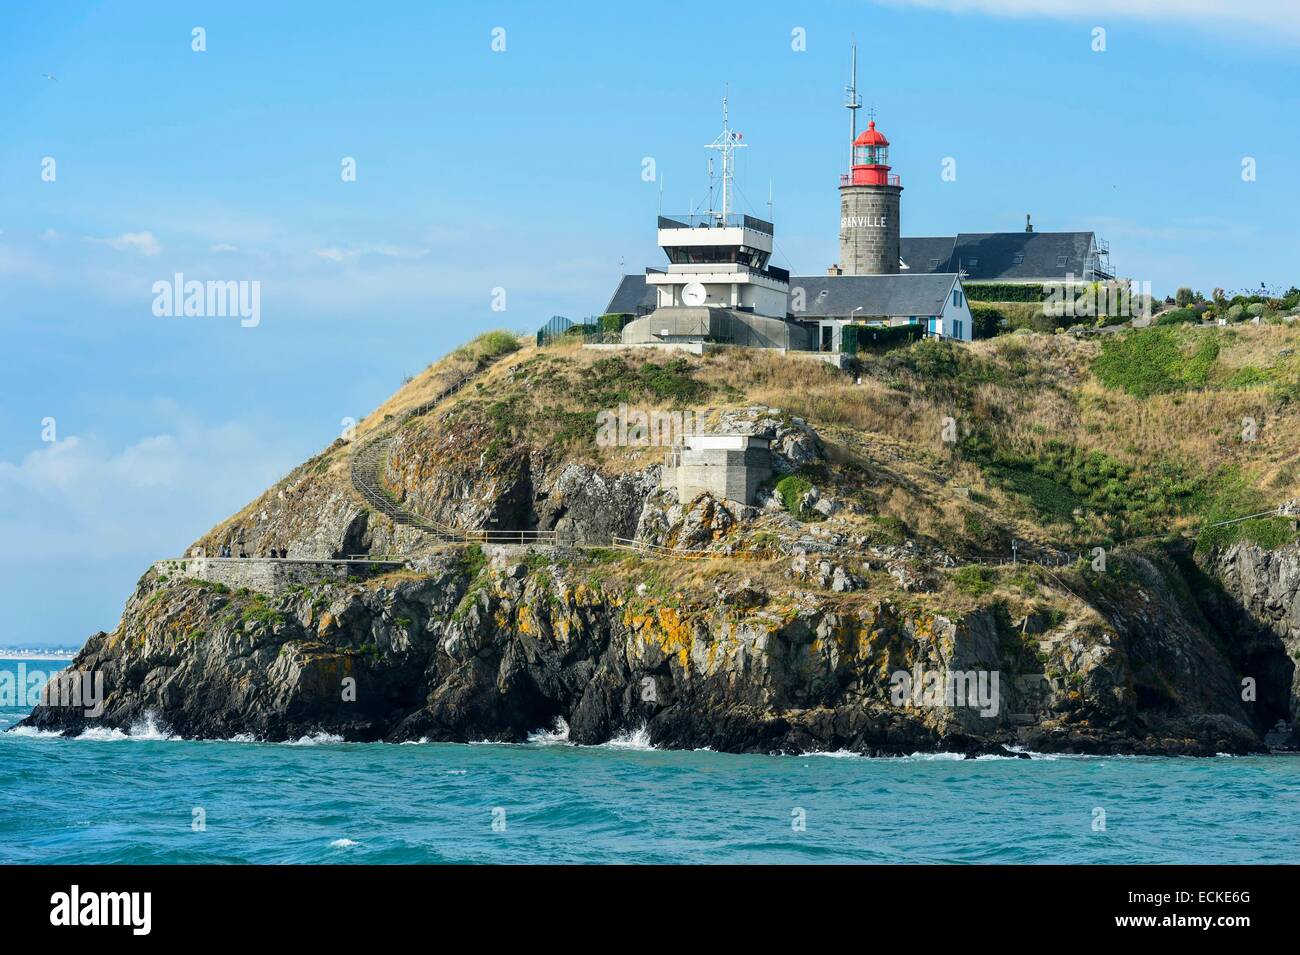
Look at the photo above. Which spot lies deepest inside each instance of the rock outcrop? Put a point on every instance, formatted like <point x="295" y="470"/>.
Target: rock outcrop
<point x="462" y="649"/>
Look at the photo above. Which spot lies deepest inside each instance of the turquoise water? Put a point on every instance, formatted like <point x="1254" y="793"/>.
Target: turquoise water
<point x="111" y="797"/>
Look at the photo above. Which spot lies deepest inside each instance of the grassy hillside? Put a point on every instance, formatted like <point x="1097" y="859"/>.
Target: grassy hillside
<point x="1038" y="438"/>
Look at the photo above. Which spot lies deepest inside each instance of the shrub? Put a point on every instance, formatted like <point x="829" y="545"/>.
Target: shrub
<point x="986" y="321"/>
<point x="614" y="322"/>
<point x="1178" y="316"/>
<point x="473" y="561"/>
<point x="488" y="346"/>
<point x="974" y="580"/>
<point x="791" y="490"/>
<point x="1184" y="297"/>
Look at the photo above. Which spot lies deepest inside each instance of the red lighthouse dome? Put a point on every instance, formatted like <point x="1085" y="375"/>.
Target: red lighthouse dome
<point x="871" y="159"/>
<point x="871" y="136"/>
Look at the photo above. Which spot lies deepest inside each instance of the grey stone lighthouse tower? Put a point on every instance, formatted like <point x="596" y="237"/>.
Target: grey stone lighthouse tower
<point x="869" y="209"/>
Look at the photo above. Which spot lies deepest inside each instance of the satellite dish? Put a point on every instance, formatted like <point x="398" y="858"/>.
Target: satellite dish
<point x="693" y="294"/>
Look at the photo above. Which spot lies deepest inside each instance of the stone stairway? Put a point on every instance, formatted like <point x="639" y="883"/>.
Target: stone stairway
<point x="371" y="459"/>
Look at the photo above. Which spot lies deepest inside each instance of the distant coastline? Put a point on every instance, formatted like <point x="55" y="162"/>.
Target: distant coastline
<point x="11" y="653"/>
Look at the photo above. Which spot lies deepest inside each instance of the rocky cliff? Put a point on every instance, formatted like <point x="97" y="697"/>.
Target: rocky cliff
<point x="853" y="606"/>
<point x="459" y="649"/>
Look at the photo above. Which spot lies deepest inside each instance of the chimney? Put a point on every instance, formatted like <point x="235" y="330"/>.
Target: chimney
<point x="1029" y="226"/>
<point x="835" y="270"/>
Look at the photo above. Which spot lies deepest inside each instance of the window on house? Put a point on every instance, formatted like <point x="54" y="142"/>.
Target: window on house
<point x="956" y="298"/>
<point x="1061" y="260"/>
<point x="1020" y="257"/>
<point x="957" y="330"/>
<point x="973" y="263"/>
<point x="934" y="263"/>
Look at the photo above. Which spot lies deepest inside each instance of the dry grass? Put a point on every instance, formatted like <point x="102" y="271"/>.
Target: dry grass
<point x="885" y="434"/>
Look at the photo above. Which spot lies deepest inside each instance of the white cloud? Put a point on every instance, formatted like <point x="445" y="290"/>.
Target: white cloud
<point x="142" y="242"/>
<point x="1274" y="16"/>
<point x="334" y="254"/>
<point x="79" y="499"/>
<point x="223" y="247"/>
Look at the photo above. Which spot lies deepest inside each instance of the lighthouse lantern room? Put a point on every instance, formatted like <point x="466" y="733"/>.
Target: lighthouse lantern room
<point x="871" y="160"/>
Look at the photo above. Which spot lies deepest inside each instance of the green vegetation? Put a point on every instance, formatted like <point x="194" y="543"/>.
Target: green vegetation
<point x="870" y="338"/>
<point x="986" y="321"/>
<point x="1248" y="376"/>
<point x="473" y="564"/>
<point x="1004" y="292"/>
<point x="488" y="346"/>
<point x="258" y="612"/>
<point x="614" y="322"/>
<point x="1178" y="316"/>
<point x="1150" y="361"/>
<point x="974" y="580"/>
<point x="791" y="490"/>
<point x="1234" y="497"/>
<point x="473" y="560"/>
<point x="614" y="380"/>
<point x="1063" y="478"/>
<point x="536" y="560"/>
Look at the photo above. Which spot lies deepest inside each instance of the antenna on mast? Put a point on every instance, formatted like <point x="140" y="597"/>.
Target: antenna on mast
<point x="727" y="143"/>
<point x="852" y="102"/>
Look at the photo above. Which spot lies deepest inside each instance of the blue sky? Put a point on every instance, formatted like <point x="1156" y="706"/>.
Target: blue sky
<point x="520" y="170"/>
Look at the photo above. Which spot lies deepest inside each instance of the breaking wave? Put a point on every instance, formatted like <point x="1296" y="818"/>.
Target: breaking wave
<point x="558" y="733"/>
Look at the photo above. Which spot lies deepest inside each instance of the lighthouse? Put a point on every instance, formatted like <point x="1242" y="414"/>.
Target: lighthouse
<point x="868" y="200"/>
<point x="869" y="208"/>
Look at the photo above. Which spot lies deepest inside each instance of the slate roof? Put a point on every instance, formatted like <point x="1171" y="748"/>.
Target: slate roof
<point x="838" y="296"/>
<point x="1000" y="256"/>
<point x="632" y="297"/>
<point x="926" y="254"/>
<point x="827" y="295"/>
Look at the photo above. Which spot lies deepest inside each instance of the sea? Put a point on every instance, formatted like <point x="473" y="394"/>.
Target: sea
<point x="143" y="797"/>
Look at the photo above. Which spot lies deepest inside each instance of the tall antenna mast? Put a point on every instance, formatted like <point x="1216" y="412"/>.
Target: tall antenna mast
<point x="726" y="144"/>
<point x="852" y="102"/>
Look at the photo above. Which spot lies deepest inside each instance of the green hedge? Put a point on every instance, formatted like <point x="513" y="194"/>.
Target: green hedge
<point x="1005" y="292"/>
<point x="1178" y="316"/>
<point x="614" y="321"/>
<point x="878" y="337"/>
<point x="985" y="321"/>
